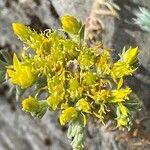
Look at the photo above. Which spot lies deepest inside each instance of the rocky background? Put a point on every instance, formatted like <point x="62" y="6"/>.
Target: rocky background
<point x="18" y="131"/>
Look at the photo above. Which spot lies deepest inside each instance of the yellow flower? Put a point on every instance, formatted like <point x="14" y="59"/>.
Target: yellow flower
<point x="86" y="59"/>
<point x="123" y="118"/>
<point x="37" y="42"/>
<point x="70" y="24"/>
<point x="54" y="100"/>
<point x="83" y="105"/>
<point x="101" y="96"/>
<point x="56" y="84"/>
<point x="67" y="115"/>
<point x="89" y="78"/>
<point x="75" y="90"/>
<point x="121" y="69"/>
<point x="103" y="66"/>
<point x="30" y="104"/>
<point x="120" y="95"/>
<point x="124" y="67"/>
<point x="20" y="74"/>
<point x="130" y="56"/>
<point x="64" y="105"/>
<point x="73" y="84"/>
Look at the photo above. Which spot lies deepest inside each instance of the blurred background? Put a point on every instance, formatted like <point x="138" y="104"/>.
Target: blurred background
<point x="19" y="131"/>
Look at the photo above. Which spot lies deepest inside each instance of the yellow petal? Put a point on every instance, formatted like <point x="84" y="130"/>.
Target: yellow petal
<point x="122" y="121"/>
<point x="83" y="105"/>
<point x="53" y="101"/>
<point x="16" y="62"/>
<point x="10" y="73"/>
<point x="120" y="83"/>
<point x="123" y="109"/>
<point x="67" y="115"/>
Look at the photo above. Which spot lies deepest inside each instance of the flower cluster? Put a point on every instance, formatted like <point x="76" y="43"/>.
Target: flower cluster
<point x="80" y="81"/>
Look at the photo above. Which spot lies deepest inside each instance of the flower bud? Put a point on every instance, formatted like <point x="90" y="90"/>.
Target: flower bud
<point x="21" y="74"/>
<point x="130" y="56"/>
<point x="70" y="24"/>
<point x="21" y="30"/>
<point x="30" y="104"/>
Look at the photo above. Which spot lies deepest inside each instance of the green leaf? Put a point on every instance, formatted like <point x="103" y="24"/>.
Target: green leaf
<point x="40" y="83"/>
<point x="81" y="34"/>
<point x="133" y="104"/>
<point x="41" y="111"/>
<point x="2" y="71"/>
<point x="7" y="57"/>
<point x="3" y="64"/>
<point x="2" y="76"/>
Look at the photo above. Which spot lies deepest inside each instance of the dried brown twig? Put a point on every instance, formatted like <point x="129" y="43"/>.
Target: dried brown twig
<point x="94" y="23"/>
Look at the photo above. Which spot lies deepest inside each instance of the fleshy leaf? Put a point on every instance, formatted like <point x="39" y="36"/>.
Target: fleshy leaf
<point x="81" y="34"/>
<point x="75" y="133"/>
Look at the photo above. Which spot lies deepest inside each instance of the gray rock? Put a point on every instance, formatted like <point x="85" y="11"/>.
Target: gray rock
<point x="18" y="131"/>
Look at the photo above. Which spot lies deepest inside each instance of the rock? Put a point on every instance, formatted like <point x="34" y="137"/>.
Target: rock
<point x="18" y="131"/>
<point x="37" y="14"/>
<point x="80" y="9"/>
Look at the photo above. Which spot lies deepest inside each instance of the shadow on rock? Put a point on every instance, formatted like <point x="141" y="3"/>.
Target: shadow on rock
<point x="124" y="25"/>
